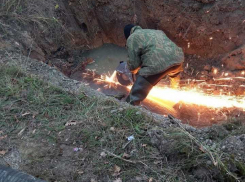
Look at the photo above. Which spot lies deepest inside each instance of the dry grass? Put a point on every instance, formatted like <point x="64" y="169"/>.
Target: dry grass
<point x="37" y="16"/>
<point x="42" y="112"/>
<point x="36" y="11"/>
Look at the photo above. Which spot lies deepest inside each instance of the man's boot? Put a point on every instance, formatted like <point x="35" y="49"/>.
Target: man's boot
<point x="139" y="91"/>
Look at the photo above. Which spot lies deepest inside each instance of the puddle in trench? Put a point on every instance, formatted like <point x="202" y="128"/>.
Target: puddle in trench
<point x="106" y="57"/>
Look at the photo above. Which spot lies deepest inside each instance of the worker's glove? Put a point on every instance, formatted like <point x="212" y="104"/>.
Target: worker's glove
<point x="134" y="77"/>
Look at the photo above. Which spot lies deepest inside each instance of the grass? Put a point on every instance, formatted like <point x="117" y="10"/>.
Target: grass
<point x="38" y="15"/>
<point x="33" y="113"/>
<point x="28" y="103"/>
<point x="23" y="11"/>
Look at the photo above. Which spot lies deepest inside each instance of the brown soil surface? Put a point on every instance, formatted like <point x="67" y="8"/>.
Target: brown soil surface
<point x="210" y="29"/>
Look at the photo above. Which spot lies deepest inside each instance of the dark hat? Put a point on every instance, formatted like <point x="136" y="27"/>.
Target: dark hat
<point x="127" y="30"/>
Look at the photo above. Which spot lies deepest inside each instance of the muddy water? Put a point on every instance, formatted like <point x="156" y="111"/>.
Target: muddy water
<point x="106" y="57"/>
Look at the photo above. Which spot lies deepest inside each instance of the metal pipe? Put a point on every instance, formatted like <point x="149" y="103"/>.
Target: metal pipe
<point x="10" y="175"/>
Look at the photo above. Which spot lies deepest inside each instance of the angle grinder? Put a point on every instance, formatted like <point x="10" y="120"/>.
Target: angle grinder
<point x="124" y="76"/>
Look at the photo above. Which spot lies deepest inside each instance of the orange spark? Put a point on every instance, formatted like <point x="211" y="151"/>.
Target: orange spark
<point x="168" y="97"/>
<point x="195" y="97"/>
<point x="215" y="71"/>
<point x="112" y="78"/>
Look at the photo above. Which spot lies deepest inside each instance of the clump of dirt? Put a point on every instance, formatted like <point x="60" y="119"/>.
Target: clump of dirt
<point x="235" y="60"/>
<point x="172" y="144"/>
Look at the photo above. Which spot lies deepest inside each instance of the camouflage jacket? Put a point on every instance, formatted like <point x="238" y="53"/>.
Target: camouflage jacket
<point x="151" y="52"/>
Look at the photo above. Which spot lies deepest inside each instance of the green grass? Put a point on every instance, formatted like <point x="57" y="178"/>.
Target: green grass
<point x="41" y="111"/>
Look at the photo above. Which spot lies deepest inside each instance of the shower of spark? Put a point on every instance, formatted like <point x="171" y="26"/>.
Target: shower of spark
<point x="168" y="97"/>
<point x="111" y="78"/>
<point x="195" y="97"/>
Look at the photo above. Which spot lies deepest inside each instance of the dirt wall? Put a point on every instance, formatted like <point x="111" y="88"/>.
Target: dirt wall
<point x="208" y="28"/>
<point x="203" y="27"/>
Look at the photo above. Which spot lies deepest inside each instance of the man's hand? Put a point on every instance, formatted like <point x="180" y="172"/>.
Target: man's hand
<point x="135" y="71"/>
<point x="134" y="77"/>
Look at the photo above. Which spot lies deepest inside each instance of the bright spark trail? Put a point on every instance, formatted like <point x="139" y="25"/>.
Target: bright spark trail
<point x="167" y="96"/>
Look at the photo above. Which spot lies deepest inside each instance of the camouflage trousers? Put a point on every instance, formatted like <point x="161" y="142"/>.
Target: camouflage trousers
<point x="173" y="73"/>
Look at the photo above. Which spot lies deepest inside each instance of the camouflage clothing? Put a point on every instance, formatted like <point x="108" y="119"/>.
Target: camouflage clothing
<point x="152" y="52"/>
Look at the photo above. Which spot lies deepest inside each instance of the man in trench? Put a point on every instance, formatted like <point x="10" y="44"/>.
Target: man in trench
<point x="152" y="56"/>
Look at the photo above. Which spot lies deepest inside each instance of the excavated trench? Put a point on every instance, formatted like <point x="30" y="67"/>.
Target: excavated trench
<point x="104" y="60"/>
<point x="211" y="34"/>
